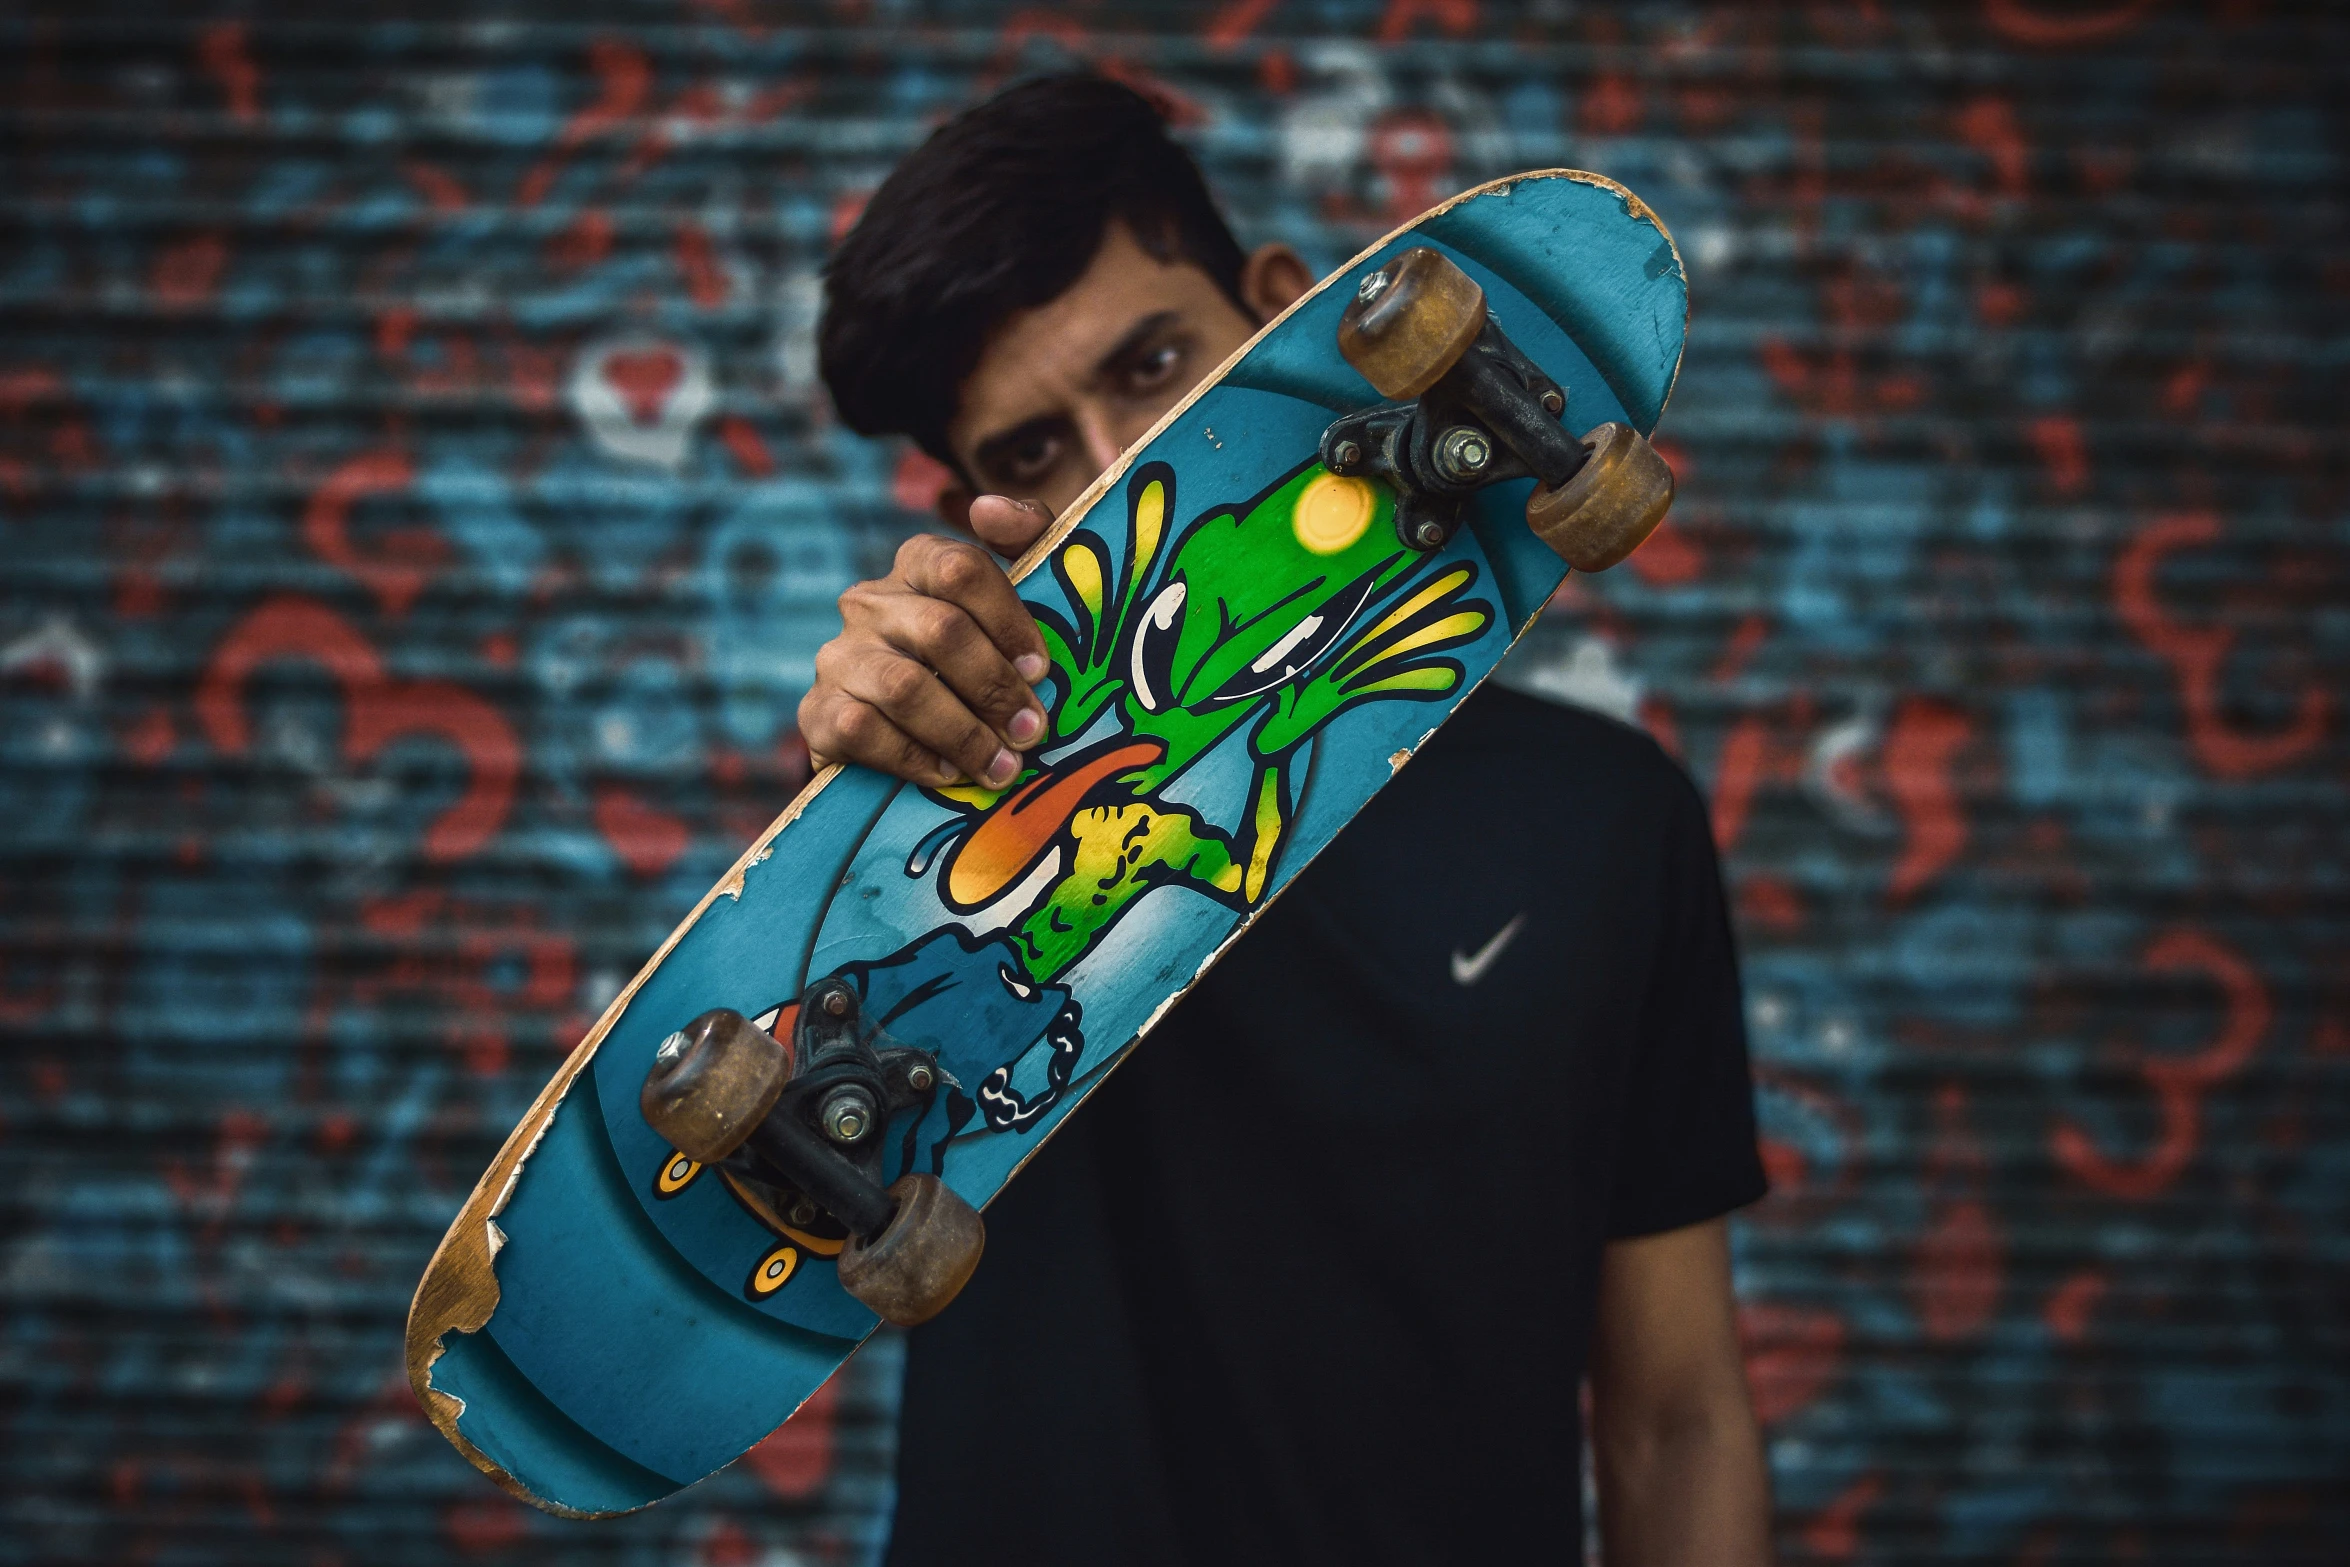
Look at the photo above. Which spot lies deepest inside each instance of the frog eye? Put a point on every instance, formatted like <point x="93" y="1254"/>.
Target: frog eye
<point x="1151" y="666"/>
<point x="1300" y="648"/>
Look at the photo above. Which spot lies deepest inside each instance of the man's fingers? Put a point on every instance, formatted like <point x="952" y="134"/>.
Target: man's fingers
<point x="903" y="693"/>
<point x="963" y="575"/>
<point x="1008" y="526"/>
<point x="839" y="728"/>
<point x="940" y="636"/>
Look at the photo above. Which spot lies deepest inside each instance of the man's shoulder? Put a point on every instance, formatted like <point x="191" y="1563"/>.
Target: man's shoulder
<point x="1502" y="734"/>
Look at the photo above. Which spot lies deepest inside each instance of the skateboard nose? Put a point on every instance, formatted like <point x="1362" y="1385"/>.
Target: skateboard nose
<point x="1012" y="837"/>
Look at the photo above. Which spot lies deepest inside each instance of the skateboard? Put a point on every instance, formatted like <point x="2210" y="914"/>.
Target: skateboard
<point x="781" y="1132"/>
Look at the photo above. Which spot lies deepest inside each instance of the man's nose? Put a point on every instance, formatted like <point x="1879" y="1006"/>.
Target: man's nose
<point x="1106" y="437"/>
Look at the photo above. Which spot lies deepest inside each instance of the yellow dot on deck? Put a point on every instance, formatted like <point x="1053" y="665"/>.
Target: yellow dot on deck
<point x="1332" y="512"/>
<point x="774" y="1270"/>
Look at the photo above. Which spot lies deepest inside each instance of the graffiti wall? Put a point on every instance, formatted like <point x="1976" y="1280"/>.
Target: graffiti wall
<point x="418" y="516"/>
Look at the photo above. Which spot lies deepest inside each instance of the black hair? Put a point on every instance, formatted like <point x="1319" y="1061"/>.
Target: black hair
<point x="1000" y="211"/>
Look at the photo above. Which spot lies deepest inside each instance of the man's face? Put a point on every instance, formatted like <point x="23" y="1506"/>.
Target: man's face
<point x="1062" y="389"/>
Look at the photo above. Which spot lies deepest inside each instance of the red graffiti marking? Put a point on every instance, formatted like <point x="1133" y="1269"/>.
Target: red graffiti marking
<point x="2063" y="451"/>
<point x="1412" y="148"/>
<point x="796" y="1459"/>
<point x="647" y="839"/>
<point x="151" y="737"/>
<point x="1611" y="107"/>
<point x="2026" y="23"/>
<point x="405" y="559"/>
<point x="221" y="49"/>
<point x="1770" y="904"/>
<point x="1834" y="1531"/>
<point x="437" y="186"/>
<point x="1457" y="17"/>
<point x="1792" y="1354"/>
<point x="742" y="440"/>
<point x="212" y="1194"/>
<point x="1232" y="24"/>
<point x="185" y="274"/>
<point x="729" y="1544"/>
<point x="1736" y="778"/>
<point x="584" y="241"/>
<point x="1924" y="739"/>
<point x="2071" y="1303"/>
<point x="378" y="711"/>
<point x="625" y="76"/>
<point x="697" y="260"/>
<point x="1989" y="126"/>
<point x="1745" y="641"/>
<point x="1958" y="1272"/>
<point x="485" y="1525"/>
<point x="2178" y="1083"/>
<point x="2197" y="654"/>
<point x="1670" y="558"/>
<point x="644" y="378"/>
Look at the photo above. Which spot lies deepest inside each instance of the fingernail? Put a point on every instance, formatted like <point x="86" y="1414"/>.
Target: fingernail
<point x="1032" y="667"/>
<point x="1026" y="724"/>
<point x="949" y="773"/>
<point x="1003" y="769"/>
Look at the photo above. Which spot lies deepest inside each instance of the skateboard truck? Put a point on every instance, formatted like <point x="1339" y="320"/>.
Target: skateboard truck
<point x="1467" y="409"/>
<point x="809" y="1114"/>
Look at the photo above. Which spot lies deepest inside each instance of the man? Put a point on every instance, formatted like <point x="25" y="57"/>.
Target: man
<point x="1317" y="1275"/>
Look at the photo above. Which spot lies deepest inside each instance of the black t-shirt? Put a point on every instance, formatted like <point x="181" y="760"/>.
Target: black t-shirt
<point x="1310" y="1278"/>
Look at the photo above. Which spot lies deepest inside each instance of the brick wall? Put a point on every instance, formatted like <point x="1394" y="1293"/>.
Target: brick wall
<point x="418" y="515"/>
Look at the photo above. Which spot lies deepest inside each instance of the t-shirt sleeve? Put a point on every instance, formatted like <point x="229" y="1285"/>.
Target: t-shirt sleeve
<point x="1687" y="1151"/>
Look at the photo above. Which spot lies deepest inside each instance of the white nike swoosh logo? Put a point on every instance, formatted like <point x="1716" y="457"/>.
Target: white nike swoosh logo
<point x="1467" y="970"/>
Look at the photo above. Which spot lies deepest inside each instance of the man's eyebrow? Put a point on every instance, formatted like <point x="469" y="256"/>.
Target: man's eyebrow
<point x="995" y="446"/>
<point x="1138" y="334"/>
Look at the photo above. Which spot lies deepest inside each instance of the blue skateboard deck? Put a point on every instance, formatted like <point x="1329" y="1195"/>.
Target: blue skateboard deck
<point x="1243" y="654"/>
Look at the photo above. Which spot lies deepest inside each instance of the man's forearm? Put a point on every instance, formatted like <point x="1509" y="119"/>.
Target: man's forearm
<point x="1687" y="1492"/>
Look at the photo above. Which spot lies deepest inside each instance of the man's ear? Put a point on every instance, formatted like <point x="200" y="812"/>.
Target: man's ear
<point x="954" y="507"/>
<point x="1272" y="279"/>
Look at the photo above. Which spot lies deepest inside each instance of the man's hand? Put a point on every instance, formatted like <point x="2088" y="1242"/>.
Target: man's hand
<point x="931" y="677"/>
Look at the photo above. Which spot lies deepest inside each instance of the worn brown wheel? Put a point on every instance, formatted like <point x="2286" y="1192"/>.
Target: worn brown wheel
<point x="713" y="1081"/>
<point x="1410" y="321"/>
<point x="922" y="1260"/>
<point x="1613" y="503"/>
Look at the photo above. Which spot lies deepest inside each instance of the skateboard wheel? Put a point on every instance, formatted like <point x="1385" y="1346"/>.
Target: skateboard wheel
<point x="1614" y="501"/>
<point x="1411" y="321"/>
<point x="921" y="1259"/>
<point x="712" y="1083"/>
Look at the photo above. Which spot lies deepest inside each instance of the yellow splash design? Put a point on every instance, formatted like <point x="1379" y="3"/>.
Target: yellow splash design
<point x="1084" y="569"/>
<point x="1466" y="624"/>
<point x="1418" y="601"/>
<point x="1150" y="517"/>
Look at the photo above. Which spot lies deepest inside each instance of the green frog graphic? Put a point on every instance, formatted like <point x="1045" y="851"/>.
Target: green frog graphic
<point x="1257" y="624"/>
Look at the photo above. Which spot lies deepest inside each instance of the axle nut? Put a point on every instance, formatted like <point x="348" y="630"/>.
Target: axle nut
<point x="846" y="1115"/>
<point x="1463" y="452"/>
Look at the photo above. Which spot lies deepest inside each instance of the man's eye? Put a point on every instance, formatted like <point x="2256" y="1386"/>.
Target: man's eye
<point x="1031" y="458"/>
<point x="1155" y="366"/>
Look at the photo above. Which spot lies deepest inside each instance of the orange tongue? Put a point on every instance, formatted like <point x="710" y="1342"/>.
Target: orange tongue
<point x="1010" y="838"/>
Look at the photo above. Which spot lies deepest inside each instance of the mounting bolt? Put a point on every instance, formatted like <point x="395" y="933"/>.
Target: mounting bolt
<point x="1462" y="452"/>
<point x="919" y="1077"/>
<point x="1554" y="402"/>
<point x="1428" y="534"/>
<point x="1345" y="455"/>
<point x="846" y="1115"/>
<point x="1372" y="287"/>
<point x="671" y="1049"/>
<point x="804" y="1211"/>
<point x="836" y="1003"/>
